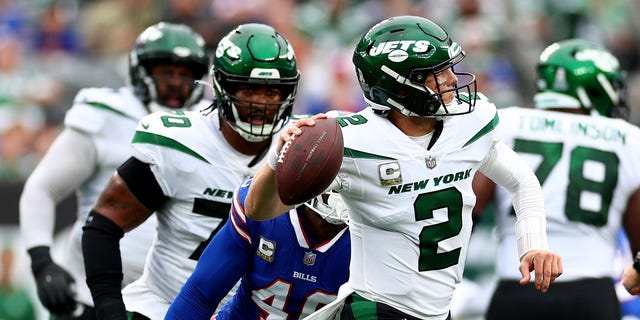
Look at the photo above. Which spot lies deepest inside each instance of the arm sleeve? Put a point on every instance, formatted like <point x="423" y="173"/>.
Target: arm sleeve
<point x="70" y="160"/>
<point x="103" y="265"/>
<point x="505" y="168"/>
<point x="225" y="260"/>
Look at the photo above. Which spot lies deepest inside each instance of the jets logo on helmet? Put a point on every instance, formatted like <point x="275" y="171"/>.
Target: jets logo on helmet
<point x="396" y="51"/>
<point x="580" y="74"/>
<point x="265" y="73"/>
<point x="602" y="59"/>
<point x="150" y="34"/>
<point x="229" y="48"/>
<point x="181" y="51"/>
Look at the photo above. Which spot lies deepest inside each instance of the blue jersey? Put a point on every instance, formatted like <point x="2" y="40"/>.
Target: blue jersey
<point x="284" y="275"/>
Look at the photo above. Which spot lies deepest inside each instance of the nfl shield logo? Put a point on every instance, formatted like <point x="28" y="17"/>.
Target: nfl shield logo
<point x="309" y="258"/>
<point x="431" y="162"/>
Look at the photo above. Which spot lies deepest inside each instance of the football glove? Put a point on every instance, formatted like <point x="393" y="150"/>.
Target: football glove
<point x="55" y="285"/>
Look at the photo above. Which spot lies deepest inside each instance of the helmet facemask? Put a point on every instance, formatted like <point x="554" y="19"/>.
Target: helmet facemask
<point x="263" y="118"/>
<point x="148" y="86"/>
<point x="256" y="58"/>
<point x="435" y="105"/>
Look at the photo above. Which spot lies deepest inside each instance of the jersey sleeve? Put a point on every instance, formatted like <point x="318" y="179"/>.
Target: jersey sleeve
<point x="225" y="260"/>
<point x="92" y="107"/>
<point x="148" y="147"/>
<point x="488" y="117"/>
<point x="67" y="164"/>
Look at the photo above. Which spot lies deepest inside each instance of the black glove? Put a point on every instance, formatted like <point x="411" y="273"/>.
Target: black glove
<point x="55" y="285"/>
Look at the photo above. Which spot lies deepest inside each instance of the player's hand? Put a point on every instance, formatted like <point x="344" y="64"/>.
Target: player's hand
<point x="54" y="284"/>
<point x="547" y="266"/>
<point x="294" y="130"/>
<point x="631" y="280"/>
<point x="55" y="289"/>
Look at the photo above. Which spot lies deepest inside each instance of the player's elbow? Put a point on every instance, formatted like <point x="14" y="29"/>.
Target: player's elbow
<point x="257" y="209"/>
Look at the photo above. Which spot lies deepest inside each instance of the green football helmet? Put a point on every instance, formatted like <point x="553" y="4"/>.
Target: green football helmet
<point x="395" y="57"/>
<point x="579" y="74"/>
<point x="166" y="43"/>
<point x="254" y="54"/>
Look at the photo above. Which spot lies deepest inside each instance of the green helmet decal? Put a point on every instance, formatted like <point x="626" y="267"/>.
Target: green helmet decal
<point x="577" y="73"/>
<point x="167" y="43"/>
<point x="255" y="54"/>
<point x="394" y="59"/>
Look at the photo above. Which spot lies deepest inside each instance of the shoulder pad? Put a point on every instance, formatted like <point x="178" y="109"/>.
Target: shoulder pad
<point x="485" y="110"/>
<point x="92" y="108"/>
<point x="482" y="121"/>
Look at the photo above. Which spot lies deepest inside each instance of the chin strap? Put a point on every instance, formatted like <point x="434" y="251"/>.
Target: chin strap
<point x="260" y="155"/>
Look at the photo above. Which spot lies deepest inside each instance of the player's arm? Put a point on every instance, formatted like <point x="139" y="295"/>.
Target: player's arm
<point x="69" y="161"/>
<point x="225" y="260"/>
<point x="631" y="222"/>
<point x="263" y="202"/>
<point x="129" y="198"/>
<point x="507" y="169"/>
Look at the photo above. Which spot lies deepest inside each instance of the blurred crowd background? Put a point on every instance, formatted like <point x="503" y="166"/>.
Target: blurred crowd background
<point x="50" y="49"/>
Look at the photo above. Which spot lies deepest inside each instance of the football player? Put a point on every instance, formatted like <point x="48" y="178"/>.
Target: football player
<point x="164" y="64"/>
<point x="587" y="161"/>
<point x="409" y="161"/>
<point x="290" y="266"/>
<point x="185" y="166"/>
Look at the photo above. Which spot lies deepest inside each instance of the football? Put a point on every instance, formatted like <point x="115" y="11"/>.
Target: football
<point x="308" y="164"/>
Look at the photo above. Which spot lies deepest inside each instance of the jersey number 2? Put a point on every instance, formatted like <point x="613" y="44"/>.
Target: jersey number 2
<point x="447" y="200"/>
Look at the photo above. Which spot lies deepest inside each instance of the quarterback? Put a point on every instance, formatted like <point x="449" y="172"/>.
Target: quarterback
<point x="406" y="177"/>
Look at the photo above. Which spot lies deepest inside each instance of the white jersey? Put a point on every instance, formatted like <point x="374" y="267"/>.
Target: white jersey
<point x="410" y="208"/>
<point x="198" y="170"/>
<point x="108" y="118"/>
<point x="588" y="166"/>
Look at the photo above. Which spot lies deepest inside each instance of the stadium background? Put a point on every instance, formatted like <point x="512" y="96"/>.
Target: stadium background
<point x="49" y="49"/>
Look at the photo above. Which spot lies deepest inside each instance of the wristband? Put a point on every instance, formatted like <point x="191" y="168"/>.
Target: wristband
<point x="272" y="159"/>
<point x="531" y="234"/>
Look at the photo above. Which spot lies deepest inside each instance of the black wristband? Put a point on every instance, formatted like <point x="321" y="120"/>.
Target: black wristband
<point x="111" y="308"/>
<point x="40" y="258"/>
<point x="636" y="262"/>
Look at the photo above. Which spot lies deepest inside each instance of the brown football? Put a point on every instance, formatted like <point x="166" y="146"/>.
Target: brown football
<point x="308" y="164"/>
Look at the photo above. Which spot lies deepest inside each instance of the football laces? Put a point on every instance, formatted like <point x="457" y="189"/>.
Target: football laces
<point x="285" y="148"/>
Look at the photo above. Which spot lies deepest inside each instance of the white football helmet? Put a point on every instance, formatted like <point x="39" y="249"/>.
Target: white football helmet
<point x="330" y="207"/>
